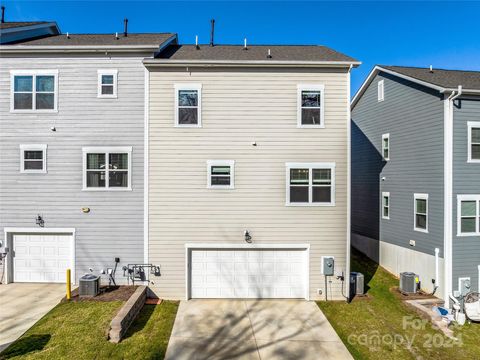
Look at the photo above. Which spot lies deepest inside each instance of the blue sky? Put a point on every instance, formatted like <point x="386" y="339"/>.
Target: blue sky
<point x="442" y="34"/>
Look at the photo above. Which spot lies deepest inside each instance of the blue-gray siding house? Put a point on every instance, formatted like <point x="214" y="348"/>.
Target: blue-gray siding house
<point x="416" y="175"/>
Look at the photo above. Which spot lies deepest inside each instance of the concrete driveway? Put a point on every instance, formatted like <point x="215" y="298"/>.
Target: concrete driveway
<point x="253" y="329"/>
<point x="22" y="305"/>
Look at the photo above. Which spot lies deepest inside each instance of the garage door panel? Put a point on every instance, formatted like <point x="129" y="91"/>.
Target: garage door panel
<point x="273" y="273"/>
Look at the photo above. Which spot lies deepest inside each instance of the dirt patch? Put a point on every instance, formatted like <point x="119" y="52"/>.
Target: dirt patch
<point x="419" y="295"/>
<point x="107" y="293"/>
<point x="364" y="297"/>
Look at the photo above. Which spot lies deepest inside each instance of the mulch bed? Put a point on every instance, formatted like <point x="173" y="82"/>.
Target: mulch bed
<point x="107" y="293"/>
<point x="419" y="295"/>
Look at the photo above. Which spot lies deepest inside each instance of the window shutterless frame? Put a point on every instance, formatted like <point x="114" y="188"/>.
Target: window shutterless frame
<point x="106" y="151"/>
<point x="33" y="148"/>
<point x="34" y="74"/>
<point x="471" y="214"/>
<point x="420" y="212"/>
<point x="381" y="91"/>
<point x="223" y="173"/>
<point x="473" y="142"/>
<point x="386" y="205"/>
<point x="310" y="167"/>
<point x="107" y="79"/>
<point x="320" y="88"/>
<point x="386" y="147"/>
<point x="188" y="87"/>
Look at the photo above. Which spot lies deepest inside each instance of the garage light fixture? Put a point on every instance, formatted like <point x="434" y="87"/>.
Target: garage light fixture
<point x="39" y="221"/>
<point x="248" y="237"/>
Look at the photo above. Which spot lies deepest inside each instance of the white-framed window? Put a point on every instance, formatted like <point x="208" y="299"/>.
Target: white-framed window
<point x="33" y="90"/>
<point x="468" y="215"/>
<point x="33" y="158"/>
<point x="310" y="106"/>
<point x="385" y="205"/>
<point x="420" y="212"/>
<point x="107" y="168"/>
<point x="381" y="90"/>
<point x="474" y="141"/>
<point x="221" y="174"/>
<point x="188" y="105"/>
<point x="107" y="83"/>
<point x="310" y="184"/>
<point x="386" y="147"/>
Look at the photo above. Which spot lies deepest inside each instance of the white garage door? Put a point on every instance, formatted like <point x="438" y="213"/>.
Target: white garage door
<point x="41" y="258"/>
<point x="268" y="273"/>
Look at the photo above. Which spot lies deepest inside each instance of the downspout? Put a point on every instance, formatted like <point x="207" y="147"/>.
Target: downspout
<point x="448" y="192"/>
<point x="349" y="180"/>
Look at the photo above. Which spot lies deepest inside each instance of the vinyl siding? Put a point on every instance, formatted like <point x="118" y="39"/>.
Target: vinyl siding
<point x="413" y="116"/>
<point x="241" y="106"/>
<point x="466" y="180"/>
<point x="114" y="226"/>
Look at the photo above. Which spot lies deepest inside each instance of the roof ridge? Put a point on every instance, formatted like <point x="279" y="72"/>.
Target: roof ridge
<point x="427" y="68"/>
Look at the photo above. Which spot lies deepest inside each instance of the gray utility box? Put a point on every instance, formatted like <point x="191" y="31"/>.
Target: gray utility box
<point x="328" y="266"/>
<point x="357" y="284"/>
<point x="89" y="285"/>
<point x="409" y="283"/>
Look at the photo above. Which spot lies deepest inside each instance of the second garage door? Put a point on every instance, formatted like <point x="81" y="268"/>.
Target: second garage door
<point x="239" y="273"/>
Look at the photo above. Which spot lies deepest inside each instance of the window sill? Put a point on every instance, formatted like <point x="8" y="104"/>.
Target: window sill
<point x="321" y="126"/>
<point x="467" y="234"/>
<point x="473" y="161"/>
<point x="310" y="204"/>
<point x="220" y="188"/>
<point x="34" y="111"/>
<point x="188" y="126"/>
<point x="107" y="96"/>
<point x="33" y="171"/>
<point x="385" y="218"/>
<point x="425" y="231"/>
<point x="107" y="189"/>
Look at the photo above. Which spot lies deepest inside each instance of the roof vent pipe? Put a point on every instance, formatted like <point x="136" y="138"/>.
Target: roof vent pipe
<point x="116" y="35"/>
<point x="245" y="44"/>
<point x="196" y="42"/>
<point x="3" y="14"/>
<point x="269" y="56"/>
<point x="68" y="35"/>
<point x="125" y="27"/>
<point x="212" y="30"/>
<point x="431" y="68"/>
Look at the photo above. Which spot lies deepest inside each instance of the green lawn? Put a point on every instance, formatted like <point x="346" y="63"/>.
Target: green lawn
<point x="78" y="331"/>
<point x="382" y="327"/>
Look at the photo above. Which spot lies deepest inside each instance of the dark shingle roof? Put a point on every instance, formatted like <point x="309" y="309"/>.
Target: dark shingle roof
<point x="17" y="24"/>
<point x="99" y="40"/>
<point x="253" y="53"/>
<point x="440" y="77"/>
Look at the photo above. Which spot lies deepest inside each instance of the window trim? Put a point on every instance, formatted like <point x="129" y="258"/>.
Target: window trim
<point x="106" y="150"/>
<point x="381" y="91"/>
<point x="385" y="194"/>
<point x="189" y="86"/>
<point x="231" y="164"/>
<point x="33" y="147"/>
<point x="467" y="197"/>
<point x="386" y="136"/>
<point x="314" y="87"/>
<point x="310" y="166"/>
<point x="415" y="198"/>
<point x="471" y="125"/>
<point x="102" y="72"/>
<point x="34" y="74"/>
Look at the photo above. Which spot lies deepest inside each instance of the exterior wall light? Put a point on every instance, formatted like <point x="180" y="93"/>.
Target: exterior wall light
<point x="248" y="237"/>
<point x="39" y="221"/>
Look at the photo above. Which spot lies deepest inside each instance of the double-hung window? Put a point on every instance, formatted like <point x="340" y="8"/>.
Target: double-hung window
<point x="310" y="106"/>
<point x="311" y="184"/>
<point x="221" y="174"/>
<point x="107" y="168"/>
<point x="421" y="212"/>
<point x="468" y="214"/>
<point x="474" y="141"/>
<point x="188" y="105"/>
<point x="386" y="147"/>
<point x="33" y="90"/>
<point x="380" y="91"/>
<point x="107" y="83"/>
<point x="33" y="158"/>
<point x="385" y="205"/>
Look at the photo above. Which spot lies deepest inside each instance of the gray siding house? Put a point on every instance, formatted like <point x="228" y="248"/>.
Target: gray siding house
<point x="416" y="174"/>
<point x="72" y="114"/>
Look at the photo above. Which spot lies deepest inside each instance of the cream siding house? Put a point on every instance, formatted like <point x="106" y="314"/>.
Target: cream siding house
<point x="248" y="161"/>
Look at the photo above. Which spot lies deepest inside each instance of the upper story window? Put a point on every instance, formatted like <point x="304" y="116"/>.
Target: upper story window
<point x="310" y="184"/>
<point x="107" y="168"/>
<point x="221" y="174"/>
<point x="107" y="83"/>
<point x="421" y="212"/>
<point x="34" y="90"/>
<point x="381" y="90"/>
<point x="188" y="105"/>
<point x="468" y="214"/>
<point x="310" y="106"/>
<point x="386" y="147"/>
<point x="33" y="158"/>
<point x="474" y="141"/>
<point x="385" y="205"/>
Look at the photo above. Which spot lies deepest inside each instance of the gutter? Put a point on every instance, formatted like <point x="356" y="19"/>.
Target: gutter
<point x="233" y="63"/>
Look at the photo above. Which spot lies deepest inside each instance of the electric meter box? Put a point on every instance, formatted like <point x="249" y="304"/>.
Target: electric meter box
<point x="328" y="265"/>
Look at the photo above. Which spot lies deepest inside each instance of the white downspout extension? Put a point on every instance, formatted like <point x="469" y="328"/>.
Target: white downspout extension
<point x="448" y="193"/>
<point x="437" y="270"/>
